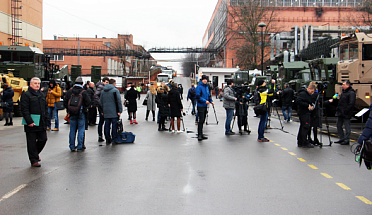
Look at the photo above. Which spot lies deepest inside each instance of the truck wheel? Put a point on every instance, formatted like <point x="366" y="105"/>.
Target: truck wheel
<point x="17" y="111"/>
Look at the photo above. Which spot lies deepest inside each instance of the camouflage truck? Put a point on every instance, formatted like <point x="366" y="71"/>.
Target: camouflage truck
<point x="19" y="86"/>
<point x="355" y="65"/>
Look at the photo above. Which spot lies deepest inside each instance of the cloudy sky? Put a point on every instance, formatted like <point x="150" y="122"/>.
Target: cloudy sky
<point x="162" y="23"/>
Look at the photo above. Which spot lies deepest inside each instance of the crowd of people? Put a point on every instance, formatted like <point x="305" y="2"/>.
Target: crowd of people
<point x="39" y="106"/>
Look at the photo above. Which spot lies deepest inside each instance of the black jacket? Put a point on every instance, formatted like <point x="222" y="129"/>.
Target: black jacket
<point x="367" y="132"/>
<point x="7" y="97"/>
<point x="90" y="92"/>
<point x="76" y="90"/>
<point x="287" y="96"/>
<point x="34" y="102"/>
<point x="346" y="103"/>
<point x="161" y="100"/>
<point x="132" y="96"/>
<point x="175" y="102"/>
<point x="303" y="101"/>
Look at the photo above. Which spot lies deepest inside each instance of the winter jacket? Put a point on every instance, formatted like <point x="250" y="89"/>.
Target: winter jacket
<point x="264" y="94"/>
<point x="367" y="132"/>
<point x="189" y="96"/>
<point x="7" y="97"/>
<point x="97" y="94"/>
<point x="174" y="100"/>
<point x="162" y="102"/>
<point x="228" y="98"/>
<point x="151" y="105"/>
<point x="76" y="91"/>
<point x="346" y="103"/>
<point x="203" y="94"/>
<point x="109" y="104"/>
<point x="287" y="96"/>
<point x="131" y="97"/>
<point x="303" y="101"/>
<point x="53" y="96"/>
<point x="90" y="92"/>
<point x="34" y="102"/>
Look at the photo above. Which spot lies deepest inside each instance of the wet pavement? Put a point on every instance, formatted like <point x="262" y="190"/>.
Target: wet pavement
<point x="165" y="173"/>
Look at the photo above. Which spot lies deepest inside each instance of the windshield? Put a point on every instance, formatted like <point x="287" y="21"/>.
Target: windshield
<point x="163" y="78"/>
<point x="344" y="52"/>
<point x="306" y="77"/>
<point x="353" y="49"/>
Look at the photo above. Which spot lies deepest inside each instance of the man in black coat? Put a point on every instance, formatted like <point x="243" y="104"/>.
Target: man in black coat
<point x="287" y="97"/>
<point x="35" y="113"/>
<point x="344" y="112"/>
<point x="92" y="112"/>
<point x="305" y="105"/>
<point x="367" y="132"/>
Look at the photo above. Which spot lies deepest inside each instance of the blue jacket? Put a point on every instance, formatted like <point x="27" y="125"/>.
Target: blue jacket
<point x="203" y="94"/>
<point x="107" y="102"/>
<point x="367" y="132"/>
<point x="189" y="95"/>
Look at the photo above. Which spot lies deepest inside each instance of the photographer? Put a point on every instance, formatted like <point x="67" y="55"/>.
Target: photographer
<point x="263" y="98"/>
<point x="287" y="97"/>
<point x="229" y="100"/>
<point x="7" y="97"/>
<point x="241" y="106"/>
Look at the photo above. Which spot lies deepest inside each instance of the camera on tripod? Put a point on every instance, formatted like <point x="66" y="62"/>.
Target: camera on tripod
<point x="242" y="90"/>
<point x="322" y="85"/>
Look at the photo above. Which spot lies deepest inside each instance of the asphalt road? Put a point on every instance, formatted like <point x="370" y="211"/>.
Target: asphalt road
<point x="165" y="173"/>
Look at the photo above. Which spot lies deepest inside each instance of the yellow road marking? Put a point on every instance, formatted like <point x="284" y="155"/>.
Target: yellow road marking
<point x="343" y="186"/>
<point x="313" y="167"/>
<point x="291" y="153"/>
<point x="301" y="159"/>
<point x="326" y="175"/>
<point x="277" y="144"/>
<point x="363" y="199"/>
<point x="271" y="141"/>
<point x="284" y="149"/>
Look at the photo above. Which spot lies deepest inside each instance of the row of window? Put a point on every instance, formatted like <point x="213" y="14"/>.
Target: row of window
<point x="303" y="3"/>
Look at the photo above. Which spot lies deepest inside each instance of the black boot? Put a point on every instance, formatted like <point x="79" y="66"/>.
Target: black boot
<point x="147" y="115"/>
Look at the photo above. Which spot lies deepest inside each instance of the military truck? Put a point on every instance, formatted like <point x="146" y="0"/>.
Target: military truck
<point x="297" y="74"/>
<point x="19" y="86"/>
<point x="355" y="65"/>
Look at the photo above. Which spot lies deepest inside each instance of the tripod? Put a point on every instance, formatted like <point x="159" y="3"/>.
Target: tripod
<point x="215" y="115"/>
<point x="277" y="112"/>
<point x="321" y="114"/>
<point x="240" y="114"/>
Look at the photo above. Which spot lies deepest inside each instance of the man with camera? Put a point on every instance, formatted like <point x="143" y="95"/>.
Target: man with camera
<point x="229" y="100"/>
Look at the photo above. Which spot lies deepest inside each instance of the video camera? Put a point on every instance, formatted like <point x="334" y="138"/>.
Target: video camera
<point x="323" y="85"/>
<point x="241" y="90"/>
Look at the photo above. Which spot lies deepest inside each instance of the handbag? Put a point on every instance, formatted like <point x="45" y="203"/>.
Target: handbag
<point x="144" y="102"/>
<point x="59" y="105"/>
<point x="260" y="109"/>
<point x="126" y="103"/>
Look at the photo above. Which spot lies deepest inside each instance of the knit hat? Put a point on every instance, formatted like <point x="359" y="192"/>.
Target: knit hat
<point x="204" y="77"/>
<point x="260" y="82"/>
<point x="79" y="80"/>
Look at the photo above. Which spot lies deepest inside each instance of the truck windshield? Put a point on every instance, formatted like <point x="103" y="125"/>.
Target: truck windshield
<point x="306" y="77"/>
<point x="367" y="52"/>
<point x="344" y="52"/>
<point x="353" y="49"/>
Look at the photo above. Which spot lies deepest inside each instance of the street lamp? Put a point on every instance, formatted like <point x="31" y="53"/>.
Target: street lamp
<point x="262" y="25"/>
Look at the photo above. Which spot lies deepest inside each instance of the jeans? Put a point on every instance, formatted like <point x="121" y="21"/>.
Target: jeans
<point x="193" y="101"/>
<point x="53" y="111"/>
<point x="229" y="117"/>
<point x="340" y="122"/>
<point x="262" y="125"/>
<point x="289" y="109"/>
<point x="77" y="123"/>
<point x="202" y="113"/>
<point x="114" y="133"/>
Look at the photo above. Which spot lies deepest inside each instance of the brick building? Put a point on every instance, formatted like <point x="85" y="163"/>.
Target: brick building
<point x="289" y="13"/>
<point x="21" y="23"/>
<point x="98" y="47"/>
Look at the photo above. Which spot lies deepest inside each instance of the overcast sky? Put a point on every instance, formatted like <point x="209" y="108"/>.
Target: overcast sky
<point x="162" y="23"/>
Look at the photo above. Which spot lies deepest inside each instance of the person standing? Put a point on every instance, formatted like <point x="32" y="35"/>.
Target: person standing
<point x="367" y="131"/>
<point x="111" y="105"/>
<point x="34" y="109"/>
<point x="314" y="117"/>
<point x="131" y="98"/>
<point x="344" y="112"/>
<point x="264" y="94"/>
<point x="151" y="95"/>
<point x="229" y="100"/>
<point x="305" y="106"/>
<point x="162" y="102"/>
<point x="287" y="98"/>
<point x="203" y="98"/>
<point x="216" y="90"/>
<point x="53" y="95"/>
<point x="192" y="96"/>
<point x="77" y="102"/>
<point x="92" y="111"/>
<point x="180" y="89"/>
<point x="176" y="108"/>
<point x="97" y="96"/>
<point x="7" y="97"/>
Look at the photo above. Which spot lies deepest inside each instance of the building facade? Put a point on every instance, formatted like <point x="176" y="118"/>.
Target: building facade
<point x="288" y="13"/>
<point x="21" y="23"/>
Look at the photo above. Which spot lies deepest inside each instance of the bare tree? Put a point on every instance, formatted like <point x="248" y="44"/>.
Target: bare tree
<point x="361" y="19"/>
<point x="120" y="46"/>
<point x="244" y="32"/>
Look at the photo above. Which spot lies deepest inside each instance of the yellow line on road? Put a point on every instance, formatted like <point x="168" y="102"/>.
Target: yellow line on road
<point x="11" y="193"/>
<point x="343" y="186"/>
<point x="326" y="175"/>
<point x="291" y="153"/>
<point x="271" y="141"/>
<point x="301" y="159"/>
<point x="284" y="149"/>
<point x="363" y="199"/>
<point x="277" y="144"/>
<point x="313" y="167"/>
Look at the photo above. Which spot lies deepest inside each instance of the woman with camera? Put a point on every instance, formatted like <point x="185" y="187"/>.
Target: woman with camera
<point x="7" y="98"/>
<point x="175" y="104"/>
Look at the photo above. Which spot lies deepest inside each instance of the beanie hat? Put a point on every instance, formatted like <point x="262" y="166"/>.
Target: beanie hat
<point x="204" y="77"/>
<point x="79" y="80"/>
<point x="260" y="82"/>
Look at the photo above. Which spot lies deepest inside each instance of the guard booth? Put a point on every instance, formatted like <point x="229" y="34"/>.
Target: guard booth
<point x="96" y="74"/>
<point x="75" y="72"/>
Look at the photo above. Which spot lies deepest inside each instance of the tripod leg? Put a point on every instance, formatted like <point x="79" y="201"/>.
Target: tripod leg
<point x="206" y="118"/>
<point x="215" y="115"/>
<point x="232" y="127"/>
<point x="277" y="112"/>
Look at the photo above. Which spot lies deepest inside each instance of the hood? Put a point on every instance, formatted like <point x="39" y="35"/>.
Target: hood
<point x="108" y="87"/>
<point x="202" y="84"/>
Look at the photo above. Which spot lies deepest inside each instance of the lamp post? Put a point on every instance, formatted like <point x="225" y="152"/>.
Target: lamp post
<point x="262" y="25"/>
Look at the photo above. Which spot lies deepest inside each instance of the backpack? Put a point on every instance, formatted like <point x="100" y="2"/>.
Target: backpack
<point x="75" y="102"/>
<point x="192" y="93"/>
<point x="366" y="154"/>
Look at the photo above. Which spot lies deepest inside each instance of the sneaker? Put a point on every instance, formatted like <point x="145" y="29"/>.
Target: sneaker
<point x="135" y="121"/>
<point x="230" y="133"/>
<point x="173" y="131"/>
<point x="80" y="150"/>
<point x="10" y="124"/>
<point x="55" y="129"/>
<point x="36" y="164"/>
<point x="131" y="122"/>
<point x="100" y="139"/>
<point x="179" y="132"/>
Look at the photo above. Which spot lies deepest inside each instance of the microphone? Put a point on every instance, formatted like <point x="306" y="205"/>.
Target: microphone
<point x="335" y="96"/>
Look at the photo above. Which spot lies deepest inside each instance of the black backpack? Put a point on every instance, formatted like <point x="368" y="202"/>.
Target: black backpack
<point x="192" y="93"/>
<point x="256" y="97"/>
<point x="75" y="103"/>
<point x="366" y="154"/>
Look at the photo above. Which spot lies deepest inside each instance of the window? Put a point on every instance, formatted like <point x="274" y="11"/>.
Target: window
<point x="108" y="44"/>
<point x="367" y="52"/>
<point x="344" y="52"/>
<point x="353" y="50"/>
<point x="58" y="57"/>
